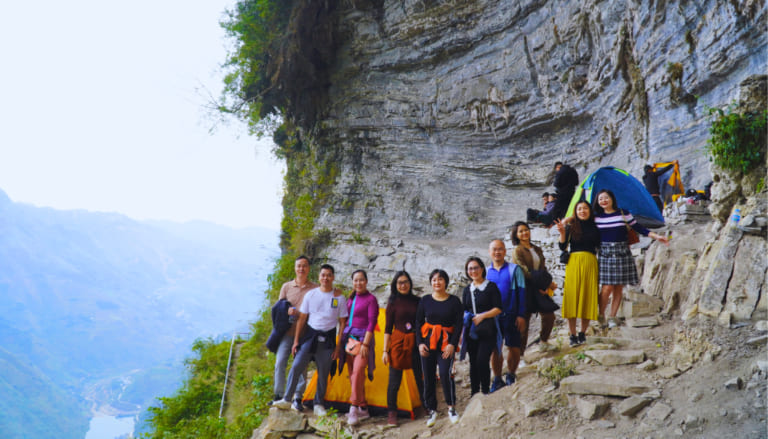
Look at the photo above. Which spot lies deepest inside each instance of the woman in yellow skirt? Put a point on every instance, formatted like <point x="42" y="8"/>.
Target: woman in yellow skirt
<point x="580" y="289"/>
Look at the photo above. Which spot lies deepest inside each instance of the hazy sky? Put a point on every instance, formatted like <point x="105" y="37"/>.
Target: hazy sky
<point x="99" y="111"/>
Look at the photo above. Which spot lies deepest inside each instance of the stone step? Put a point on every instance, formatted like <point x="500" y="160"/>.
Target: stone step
<point x="616" y="358"/>
<point x="603" y="384"/>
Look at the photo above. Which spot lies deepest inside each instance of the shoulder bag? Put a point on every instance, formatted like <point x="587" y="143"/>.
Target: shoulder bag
<point x="632" y="237"/>
<point x="353" y="345"/>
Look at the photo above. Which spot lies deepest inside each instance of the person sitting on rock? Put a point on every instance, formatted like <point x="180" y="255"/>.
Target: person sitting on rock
<point x="543" y="216"/>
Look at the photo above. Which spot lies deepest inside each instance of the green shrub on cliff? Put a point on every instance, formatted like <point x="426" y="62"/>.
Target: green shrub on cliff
<point x="257" y="28"/>
<point x="737" y="140"/>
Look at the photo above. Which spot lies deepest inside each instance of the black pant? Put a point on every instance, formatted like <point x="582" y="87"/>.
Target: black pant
<point x="479" y="364"/>
<point x="396" y="377"/>
<point x="430" y="364"/>
<point x="659" y="203"/>
<point x="561" y="203"/>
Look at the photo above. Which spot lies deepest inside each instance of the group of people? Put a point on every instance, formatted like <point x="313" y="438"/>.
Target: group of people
<point x="424" y="334"/>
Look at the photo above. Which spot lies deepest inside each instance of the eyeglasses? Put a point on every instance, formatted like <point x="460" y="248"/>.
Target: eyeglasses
<point x="403" y="282"/>
<point x="473" y="268"/>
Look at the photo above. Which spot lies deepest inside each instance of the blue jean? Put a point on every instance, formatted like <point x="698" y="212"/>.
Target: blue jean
<point x="322" y="357"/>
<point x="281" y="361"/>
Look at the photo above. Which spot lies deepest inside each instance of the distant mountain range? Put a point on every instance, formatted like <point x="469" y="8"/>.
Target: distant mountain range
<point x="98" y="310"/>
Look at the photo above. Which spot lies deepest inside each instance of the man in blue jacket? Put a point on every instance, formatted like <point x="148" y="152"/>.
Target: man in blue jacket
<point x="511" y="283"/>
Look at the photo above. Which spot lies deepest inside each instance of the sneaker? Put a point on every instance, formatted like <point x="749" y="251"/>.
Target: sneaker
<point x="510" y="378"/>
<point x="601" y="321"/>
<point x="282" y="404"/>
<point x="574" y="340"/>
<point x="522" y="363"/>
<point x="352" y="416"/>
<point x="275" y="399"/>
<point x="297" y="405"/>
<point x="362" y="413"/>
<point x="431" y="417"/>
<point x="320" y="410"/>
<point x="453" y="416"/>
<point x="612" y="323"/>
<point x="497" y="384"/>
<point x="582" y="338"/>
<point x="392" y="419"/>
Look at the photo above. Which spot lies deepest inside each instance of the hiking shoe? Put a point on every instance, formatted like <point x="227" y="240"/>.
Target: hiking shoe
<point x="431" y="417"/>
<point x="612" y="322"/>
<point x="352" y="416"/>
<point x="362" y="413"/>
<point x="574" y="340"/>
<point x="453" y="416"/>
<point x="297" y="405"/>
<point x="392" y="419"/>
<point x="319" y="410"/>
<point x="510" y="378"/>
<point x="275" y="399"/>
<point x="582" y="338"/>
<point x="282" y="404"/>
<point x="497" y="384"/>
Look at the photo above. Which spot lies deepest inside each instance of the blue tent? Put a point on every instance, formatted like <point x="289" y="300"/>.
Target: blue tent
<point x="630" y="194"/>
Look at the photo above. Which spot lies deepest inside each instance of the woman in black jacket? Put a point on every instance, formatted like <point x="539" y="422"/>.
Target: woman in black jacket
<point x="482" y="300"/>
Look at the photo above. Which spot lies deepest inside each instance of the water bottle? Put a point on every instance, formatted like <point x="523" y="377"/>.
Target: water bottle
<point x="736" y="217"/>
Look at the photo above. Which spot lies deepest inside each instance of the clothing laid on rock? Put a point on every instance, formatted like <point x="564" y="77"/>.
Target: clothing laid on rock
<point x="478" y="299"/>
<point x="438" y="323"/>
<point x="615" y="260"/>
<point x="580" y="287"/>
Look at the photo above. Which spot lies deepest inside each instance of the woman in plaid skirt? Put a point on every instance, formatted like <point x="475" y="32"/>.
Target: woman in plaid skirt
<point x="617" y="266"/>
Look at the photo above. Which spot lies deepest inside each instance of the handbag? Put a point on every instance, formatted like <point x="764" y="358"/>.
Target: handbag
<point x="353" y="345"/>
<point x="540" y="280"/>
<point x="632" y="237"/>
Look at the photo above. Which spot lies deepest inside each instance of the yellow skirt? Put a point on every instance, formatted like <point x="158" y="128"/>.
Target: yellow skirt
<point x="580" y="289"/>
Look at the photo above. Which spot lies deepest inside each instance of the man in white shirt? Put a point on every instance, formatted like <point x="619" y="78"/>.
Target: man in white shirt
<point x="322" y="309"/>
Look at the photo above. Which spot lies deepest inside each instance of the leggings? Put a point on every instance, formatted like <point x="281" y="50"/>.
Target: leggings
<point x="430" y="365"/>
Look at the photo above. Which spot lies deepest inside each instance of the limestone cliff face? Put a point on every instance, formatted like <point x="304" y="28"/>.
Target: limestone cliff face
<point x="447" y="116"/>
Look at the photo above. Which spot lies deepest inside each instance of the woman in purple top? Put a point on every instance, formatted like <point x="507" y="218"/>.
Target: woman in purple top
<point x="363" y="314"/>
<point x="616" y="264"/>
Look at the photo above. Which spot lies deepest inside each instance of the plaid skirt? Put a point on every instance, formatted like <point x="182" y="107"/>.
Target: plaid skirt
<point x="617" y="265"/>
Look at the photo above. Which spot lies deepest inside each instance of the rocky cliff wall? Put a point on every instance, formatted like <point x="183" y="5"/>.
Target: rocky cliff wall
<point x="444" y="118"/>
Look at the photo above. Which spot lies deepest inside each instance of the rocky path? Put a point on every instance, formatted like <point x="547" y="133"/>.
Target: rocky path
<point x="630" y="382"/>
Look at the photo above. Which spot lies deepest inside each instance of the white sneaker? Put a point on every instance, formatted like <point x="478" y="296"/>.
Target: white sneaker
<point x="454" y="417"/>
<point x="432" y="418"/>
<point x="282" y="404"/>
<point x="320" y="410"/>
<point x="612" y="323"/>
